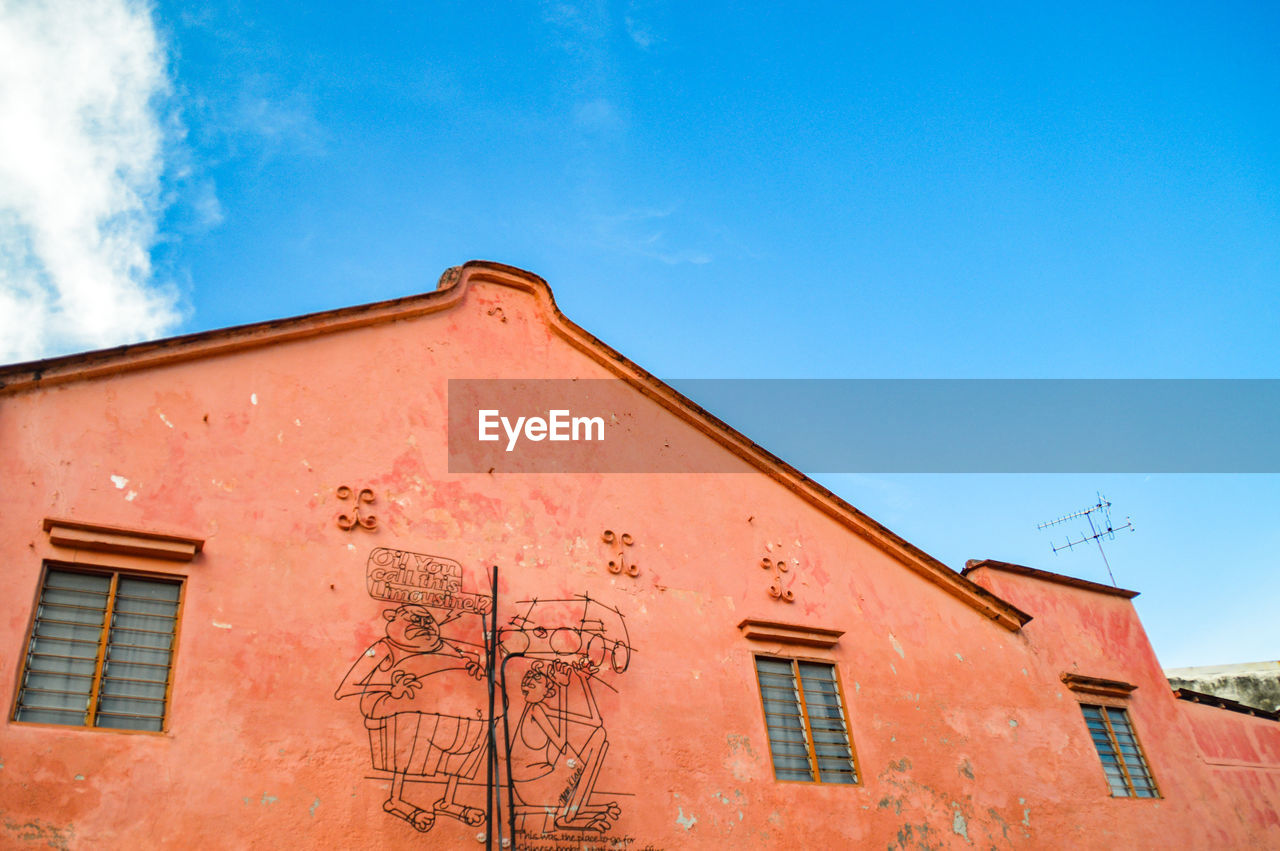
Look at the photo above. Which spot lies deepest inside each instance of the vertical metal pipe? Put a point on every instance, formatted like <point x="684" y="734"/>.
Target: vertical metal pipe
<point x="493" y="803"/>
<point x="506" y="738"/>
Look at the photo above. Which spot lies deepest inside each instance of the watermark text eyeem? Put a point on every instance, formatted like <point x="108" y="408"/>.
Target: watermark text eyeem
<point x="558" y="425"/>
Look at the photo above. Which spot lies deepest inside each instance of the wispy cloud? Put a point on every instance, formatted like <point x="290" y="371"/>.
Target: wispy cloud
<point x="580" y="27"/>
<point x="641" y="31"/>
<point x="260" y="106"/>
<point x="83" y="84"/>
<point x="638" y="231"/>
<point x="597" y="115"/>
<point x="270" y="122"/>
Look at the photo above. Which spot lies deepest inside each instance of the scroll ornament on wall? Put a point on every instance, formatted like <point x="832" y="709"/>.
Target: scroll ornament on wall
<point x="620" y="563"/>
<point x="353" y="517"/>
<point x="777" y="565"/>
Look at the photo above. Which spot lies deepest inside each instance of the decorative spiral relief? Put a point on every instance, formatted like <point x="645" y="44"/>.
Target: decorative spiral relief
<point x="364" y="496"/>
<point x="620" y="563"/>
<point x="776" y="590"/>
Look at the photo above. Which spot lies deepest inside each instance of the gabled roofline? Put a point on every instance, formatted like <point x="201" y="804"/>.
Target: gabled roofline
<point x="450" y="291"/>
<point x="1044" y="575"/>
<point x="132" y="356"/>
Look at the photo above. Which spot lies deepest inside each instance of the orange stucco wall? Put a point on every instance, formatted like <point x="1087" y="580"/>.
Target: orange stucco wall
<point x="964" y="733"/>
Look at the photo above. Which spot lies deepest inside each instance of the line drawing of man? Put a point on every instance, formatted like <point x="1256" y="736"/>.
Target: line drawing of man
<point x="424" y="715"/>
<point x="557" y="753"/>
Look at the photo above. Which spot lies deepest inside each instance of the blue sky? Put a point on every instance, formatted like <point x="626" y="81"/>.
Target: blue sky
<point x="717" y="190"/>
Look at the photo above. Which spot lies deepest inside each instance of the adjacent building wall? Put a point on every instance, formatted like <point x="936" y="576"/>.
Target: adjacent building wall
<point x="1254" y="684"/>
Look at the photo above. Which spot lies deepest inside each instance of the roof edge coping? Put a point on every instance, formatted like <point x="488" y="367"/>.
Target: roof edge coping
<point x="1046" y="576"/>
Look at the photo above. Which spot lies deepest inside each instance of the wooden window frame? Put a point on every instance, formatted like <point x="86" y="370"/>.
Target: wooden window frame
<point x="1102" y="707"/>
<point x="103" y="643"/>
<point x="804" y="717"/>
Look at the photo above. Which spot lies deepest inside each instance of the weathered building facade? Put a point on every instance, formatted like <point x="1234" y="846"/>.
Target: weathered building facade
<point x="250" y="602"/>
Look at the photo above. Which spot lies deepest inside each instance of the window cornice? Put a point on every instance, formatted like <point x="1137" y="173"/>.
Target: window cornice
<point x="114" y="539"/>
<point x="785" y="633"/>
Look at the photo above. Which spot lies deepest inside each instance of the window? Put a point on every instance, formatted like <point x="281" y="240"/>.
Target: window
<point x="804" y="714"/>
<point x="101" y="651"/>
<point x="1122" y="759"/>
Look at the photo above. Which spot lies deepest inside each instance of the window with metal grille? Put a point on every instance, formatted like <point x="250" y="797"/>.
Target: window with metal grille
<point x="101" y="651"/>
<point x="1122" y="758"/>
<point x="804" y="714"/>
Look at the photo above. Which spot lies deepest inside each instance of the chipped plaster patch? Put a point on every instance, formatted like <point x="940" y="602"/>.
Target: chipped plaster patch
<point x="959" y="825"/>
<point x="28" y="833"/>
<point x="221" y="625"/>
<point x="164" y="419"/>
<point x="119" y="482"/>
<point x="253" y="398"/>
<point x="897" y="648"/>
<point x="314" y="804"/>
<point x="268" y="799"/>
<point x="130" y="496"/>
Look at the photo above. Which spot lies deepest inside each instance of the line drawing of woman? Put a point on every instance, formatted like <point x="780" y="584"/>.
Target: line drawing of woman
<point x="557" y="752"/>
<point x="441" y="732"/>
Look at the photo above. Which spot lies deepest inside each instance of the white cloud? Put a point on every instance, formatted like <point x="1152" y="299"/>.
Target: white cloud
<point x="597" y="115"/>
<point x="635" y="231"/>
<point x="82" y="84"/>
<point x="638" y="27"/>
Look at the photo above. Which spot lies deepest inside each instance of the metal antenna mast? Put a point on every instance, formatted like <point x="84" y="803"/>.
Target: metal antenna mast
<point x="1097" y="531"/>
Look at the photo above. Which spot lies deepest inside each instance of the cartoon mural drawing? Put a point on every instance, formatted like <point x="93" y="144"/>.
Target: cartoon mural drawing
<point x="432" y="722"/>
<point x="423" y="707"/>
<point x="557" y="749"/>
<point x="547" y="768"/>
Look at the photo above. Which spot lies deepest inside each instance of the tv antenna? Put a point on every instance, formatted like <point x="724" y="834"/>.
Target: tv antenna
<point x="1103" y="528"/>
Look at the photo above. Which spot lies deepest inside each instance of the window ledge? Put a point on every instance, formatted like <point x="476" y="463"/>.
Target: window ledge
<point x="785" y="633"/>
<point x="112" y="539"/>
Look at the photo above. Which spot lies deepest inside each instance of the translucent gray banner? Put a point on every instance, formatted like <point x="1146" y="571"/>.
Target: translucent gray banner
<point x="895" y="425"/>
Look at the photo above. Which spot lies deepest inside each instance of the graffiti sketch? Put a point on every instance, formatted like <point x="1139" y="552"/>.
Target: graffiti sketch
<point x="559" y="742"/>
<point x="419" y="692"/>
<point x="546" y="766"/>
<point x="433" y="722"/>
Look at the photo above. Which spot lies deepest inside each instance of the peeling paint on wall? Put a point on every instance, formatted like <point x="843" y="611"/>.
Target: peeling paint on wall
<point x="37" y="833"/>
